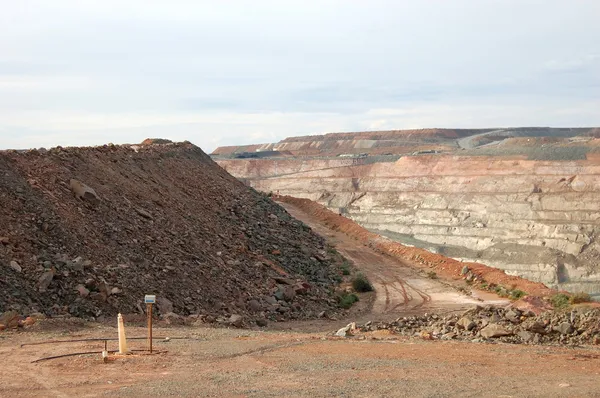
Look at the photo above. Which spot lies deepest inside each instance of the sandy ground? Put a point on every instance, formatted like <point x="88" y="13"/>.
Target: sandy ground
<point x="302" y="359"/>
<point x="238" y="363"/>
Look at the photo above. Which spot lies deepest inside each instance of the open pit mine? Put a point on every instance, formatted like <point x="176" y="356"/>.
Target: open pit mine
<point x="525" y="200"/>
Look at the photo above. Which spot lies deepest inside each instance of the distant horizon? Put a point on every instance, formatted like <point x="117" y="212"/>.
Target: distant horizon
<point x="210" y="150"/>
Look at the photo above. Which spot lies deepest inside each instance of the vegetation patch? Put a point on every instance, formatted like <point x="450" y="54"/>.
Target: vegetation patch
<point x="560" y="300"/>
<point x="361" y="284"/>
<point x="581" y="297"/>
<point x="346" y="300"/>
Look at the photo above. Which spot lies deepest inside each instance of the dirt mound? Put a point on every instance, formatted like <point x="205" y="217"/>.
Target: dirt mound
<point x="89" y="231"/>
<point x="444" y="266"/>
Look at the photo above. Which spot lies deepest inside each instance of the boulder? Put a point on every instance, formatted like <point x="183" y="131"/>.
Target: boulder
<point x="466" y="323"/>
<point x="10" y="319"/>
<point x="83" y="291"/>
<point x="83" y="192"/>
<point x="236" y="320"/>
<point x="45" y="280"/>
<point x="164" y="305"/>
<point x="564" y="328"/>
<point x="526" y="336"/>
<point x="494" y="330"/>
<point x="254" y="305"/>
<point x="15" y="266"/>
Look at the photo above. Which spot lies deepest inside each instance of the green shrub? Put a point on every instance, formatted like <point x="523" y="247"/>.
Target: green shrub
<point x="347" y="299"/>
<point x="560" y="300"/>
<point x="346" y="268"/>
<point x="516" y="294"/>
<point x="361" y="284"/>
<point x="580" y="297"/>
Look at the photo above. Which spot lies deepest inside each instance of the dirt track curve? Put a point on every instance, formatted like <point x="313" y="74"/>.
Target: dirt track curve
<point x="400" y="289"/>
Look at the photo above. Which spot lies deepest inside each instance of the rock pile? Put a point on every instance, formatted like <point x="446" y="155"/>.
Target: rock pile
<point x="89" y="231"/>
<point x="509" y="325"/>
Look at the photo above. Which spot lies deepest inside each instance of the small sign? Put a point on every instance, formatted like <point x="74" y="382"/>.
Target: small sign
<point x="150" y="299"/>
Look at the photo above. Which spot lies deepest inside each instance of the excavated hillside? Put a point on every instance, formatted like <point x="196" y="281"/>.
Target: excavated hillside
<point x="524" y="200"/>
<point x="158" y="219"/>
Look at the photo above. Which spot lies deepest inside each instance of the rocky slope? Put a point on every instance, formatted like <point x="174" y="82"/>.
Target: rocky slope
<point x="522" y="200"/>
<point x="158" y="219"/>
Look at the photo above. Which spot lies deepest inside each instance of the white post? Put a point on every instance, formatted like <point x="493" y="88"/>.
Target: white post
<point x="122" y="340"/>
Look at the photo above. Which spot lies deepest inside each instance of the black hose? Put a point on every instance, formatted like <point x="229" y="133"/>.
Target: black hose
<point x="104" y="339"/>
<point x="88" y="353"/>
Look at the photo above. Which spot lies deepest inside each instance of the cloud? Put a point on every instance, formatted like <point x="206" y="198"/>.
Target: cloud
<point x="216" y="73"/>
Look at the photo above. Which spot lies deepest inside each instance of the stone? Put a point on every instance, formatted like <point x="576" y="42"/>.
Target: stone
<point x="289" y="293"/>
<point x="494" y="330"/>
<point x="564" y="328"/>
<point x="236" y="320"/>
<point x="45" y="280"/>
<point x="115" y="291"/>
<point x="10" y="319"/>
<point x="262" y="323"/>
<point x="164" y="305"/>
<point x="279" y="294"/>
<point x="537" y="327"/>
<point x="172" y="318"/>
<point x="284" y="281"/>
<point x="254" y="305"/>
<point x="83" y="291"/>
<point x="346" y="330"/>
<point x="271" y="300"/>
<point x="466" y="323"/>
<point x="464" y="270"/>
<point x="28" y="321"/>
<point x="143" y="213"/>
<point x="526" y="336"/>
<point x="83" y="192"/>
<point x="15" y="266"/>
<point x="512" y="316"/>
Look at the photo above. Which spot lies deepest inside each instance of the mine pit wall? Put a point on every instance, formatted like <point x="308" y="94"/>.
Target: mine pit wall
<point x="535" y="219"/>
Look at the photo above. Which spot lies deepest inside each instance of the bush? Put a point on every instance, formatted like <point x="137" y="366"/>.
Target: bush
<point x="347" y="299"/>
<point x="560" y="300"/>
<point x="516" y="294"/>
<point x="346" y="268"/>
<point x="432" y="275"/>
<point x="580" y="297"/>
<point x="361" y="284"/>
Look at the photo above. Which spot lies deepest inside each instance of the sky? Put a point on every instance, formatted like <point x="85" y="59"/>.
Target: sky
<point x="232" y="72"/>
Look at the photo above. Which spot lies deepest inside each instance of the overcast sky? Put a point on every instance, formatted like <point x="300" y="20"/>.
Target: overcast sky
<point x="235" y="72"/>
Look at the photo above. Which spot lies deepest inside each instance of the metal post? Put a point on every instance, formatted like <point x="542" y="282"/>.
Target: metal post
<point x="149" y="311"/>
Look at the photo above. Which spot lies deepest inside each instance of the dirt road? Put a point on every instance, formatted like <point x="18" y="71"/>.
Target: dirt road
<point x="400" y="289"/>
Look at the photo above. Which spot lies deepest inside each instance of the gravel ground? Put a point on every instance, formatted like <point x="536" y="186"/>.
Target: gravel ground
<point x="241" y="363"/>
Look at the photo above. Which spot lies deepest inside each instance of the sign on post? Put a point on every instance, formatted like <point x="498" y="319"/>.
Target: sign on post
<point x="149" y="299"/>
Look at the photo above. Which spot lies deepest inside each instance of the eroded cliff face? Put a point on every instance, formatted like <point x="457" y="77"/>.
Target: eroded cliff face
<point x="533" y="218"/>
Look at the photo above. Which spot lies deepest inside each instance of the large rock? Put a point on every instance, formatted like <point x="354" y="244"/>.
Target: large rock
<point x="236" y="320"/>
<point x="164" y="305"/>
<point x="45" y="280"/>
<point x="15" y="266"/>
<point x="564" y="328"/>
<point x="83" y="192"/>
<point x="466" y="323"/>
<point x="10" y="319"/>
<point x="494" y="330"/>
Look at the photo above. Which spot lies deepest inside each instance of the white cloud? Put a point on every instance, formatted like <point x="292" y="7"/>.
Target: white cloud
<point x="88" y="71"/>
